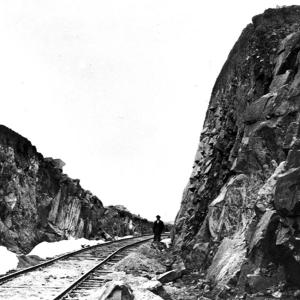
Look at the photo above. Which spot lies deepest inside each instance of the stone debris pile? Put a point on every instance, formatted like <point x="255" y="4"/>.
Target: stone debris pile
<point x="152" y="272"/>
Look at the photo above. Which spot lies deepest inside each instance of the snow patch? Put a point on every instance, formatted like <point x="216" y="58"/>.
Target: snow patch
<point x="47" y="250"/>
<point x="123" y="237"/>
<point x="8" y="260"/>
<point x="167" y="242"/>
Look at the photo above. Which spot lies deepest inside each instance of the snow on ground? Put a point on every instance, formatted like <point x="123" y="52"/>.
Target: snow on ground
<point x="48" y="250"/>
<point x="167" y="242"/>
<point x="8" y="260"/>
<point x="117" y="238"/>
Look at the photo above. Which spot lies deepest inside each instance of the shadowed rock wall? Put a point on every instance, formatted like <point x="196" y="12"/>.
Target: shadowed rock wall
<point x="39" y="202"/>
<point x="240" y="214"/>
<point x="118" y="221"/>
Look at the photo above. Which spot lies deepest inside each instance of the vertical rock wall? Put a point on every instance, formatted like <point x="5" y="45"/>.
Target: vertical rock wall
<point x="118" y="221"/>
<point x="240" y="214"/>
<point x="39" y="202"/>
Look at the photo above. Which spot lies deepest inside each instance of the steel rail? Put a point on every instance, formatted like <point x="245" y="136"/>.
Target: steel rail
<point x="13" y="275"/>
<point x="84" y="276"/>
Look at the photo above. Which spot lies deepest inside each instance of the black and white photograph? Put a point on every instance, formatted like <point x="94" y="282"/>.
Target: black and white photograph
<point x="149" y="150"/>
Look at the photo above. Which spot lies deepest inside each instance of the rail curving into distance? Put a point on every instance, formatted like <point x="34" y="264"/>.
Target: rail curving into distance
<point x="70" y="276"/>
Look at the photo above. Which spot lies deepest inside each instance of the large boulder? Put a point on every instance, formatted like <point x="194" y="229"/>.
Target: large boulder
<point x="121" y="286"/>
<point x="116" y="291"/>
<point x="140" y="265"/>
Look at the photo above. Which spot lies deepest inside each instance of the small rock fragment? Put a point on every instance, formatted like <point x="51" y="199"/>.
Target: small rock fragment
<point x="117" y="290"/>
<point x="206" y="288"/>
<point x="152" y="285"/>
<point x="277" y="294"/>
<point x="297" y="293"/>
<point x="169" y="276"/>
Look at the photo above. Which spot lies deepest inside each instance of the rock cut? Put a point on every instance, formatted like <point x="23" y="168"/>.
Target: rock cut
<point x="239" y="218"/>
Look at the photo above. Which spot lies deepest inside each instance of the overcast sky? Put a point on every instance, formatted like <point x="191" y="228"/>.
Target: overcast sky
<point x="117" y="89"/>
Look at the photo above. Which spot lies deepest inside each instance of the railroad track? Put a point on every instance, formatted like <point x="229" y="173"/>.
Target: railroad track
<point x="71" y="276"/>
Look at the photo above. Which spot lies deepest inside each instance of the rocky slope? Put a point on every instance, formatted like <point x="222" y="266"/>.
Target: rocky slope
<point x="39" y="202"/>
<point x="118" y="221"/>
<point x="240" y="214"/>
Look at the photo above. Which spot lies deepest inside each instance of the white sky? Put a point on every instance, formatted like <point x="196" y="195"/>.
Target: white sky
<point x="117" y="89"/>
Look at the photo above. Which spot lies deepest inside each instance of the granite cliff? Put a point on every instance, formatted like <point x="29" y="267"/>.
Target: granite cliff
<point x="38" y="202"/>
<point x="239" y="219"/>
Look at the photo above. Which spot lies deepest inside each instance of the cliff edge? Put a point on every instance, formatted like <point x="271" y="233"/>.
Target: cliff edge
<point x="239" y="218"/>
<point x="38" y="202"/>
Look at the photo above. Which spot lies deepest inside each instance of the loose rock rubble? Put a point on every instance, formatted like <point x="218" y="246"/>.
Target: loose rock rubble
<point x="139" y="287"/>
<point x="114" y="291"/>
<point x="153" y="272"/>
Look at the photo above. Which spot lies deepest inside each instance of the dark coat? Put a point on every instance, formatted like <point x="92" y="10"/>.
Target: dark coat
<point x="158" y="227"/>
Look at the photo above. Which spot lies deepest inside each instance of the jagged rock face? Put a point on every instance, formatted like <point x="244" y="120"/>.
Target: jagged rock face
<point x="38" y="202"/>
<point x="118" y="221"/>
<point x="240" y="212"/>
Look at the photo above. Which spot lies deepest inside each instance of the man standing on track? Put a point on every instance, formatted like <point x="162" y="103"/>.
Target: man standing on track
<point x="158" y="228"/>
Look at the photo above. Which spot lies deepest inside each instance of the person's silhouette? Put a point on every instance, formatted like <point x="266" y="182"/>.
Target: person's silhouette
<point x="158" y="228"/>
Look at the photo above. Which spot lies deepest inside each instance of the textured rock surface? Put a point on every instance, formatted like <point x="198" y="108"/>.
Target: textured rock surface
<point x="116" y="290"/>
<point x="141" y="287"/>
<point x="118" y="221"/>
<point x="240" y="213"/>
<point x="147" y="261"/>
<point x="39" y="202"/>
